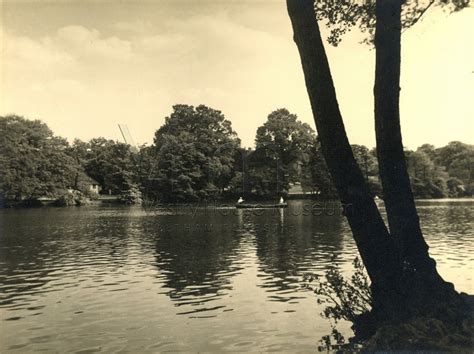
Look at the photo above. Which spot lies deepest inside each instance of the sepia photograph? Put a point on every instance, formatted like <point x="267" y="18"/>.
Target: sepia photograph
<point x="236" y="176"/>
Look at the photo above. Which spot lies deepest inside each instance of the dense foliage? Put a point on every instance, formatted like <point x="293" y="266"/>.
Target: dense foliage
<point x="283" y="146"/>
<point x="442" y="172"/>
<point x="108" y="162"/>
<point x="34" y="163"/>
<point x="197" y="156"/>
<point x="192" y="156"/>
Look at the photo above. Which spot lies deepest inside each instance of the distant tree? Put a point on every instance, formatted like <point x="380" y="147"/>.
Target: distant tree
<point x="455" y="187"/>
<point x="429" y="150"/>
<point x="321" y="182"/>
<point x="427" y="179"/>
<point x="264" y="174"/>
<point x="458" y="160"/>
<point x="34" y="163"/>
<point x="366" y="160"/>
<point x="108" y="162"/>
<point x="430" y="169"/>
<point x="193" y="154"/>
<point x="180" y="169"/>
<point x="283" y="145"/>
<point x="146" y="167"/>
<point x="239" y="184"/>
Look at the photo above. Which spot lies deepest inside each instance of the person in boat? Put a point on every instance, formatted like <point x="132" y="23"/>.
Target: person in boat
<point x="281" y="200"/>
<point x="240" y="201"/>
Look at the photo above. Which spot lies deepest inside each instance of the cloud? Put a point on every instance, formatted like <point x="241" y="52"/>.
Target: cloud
<point x="71" y="88"/>
<point x="240" y="69"/>
<point x="88" y="43"/>
<point x="135" y="27"/>
<point x="83" y="79"/>
<point x="23" y="57"/>
<point x="72" y="53"/>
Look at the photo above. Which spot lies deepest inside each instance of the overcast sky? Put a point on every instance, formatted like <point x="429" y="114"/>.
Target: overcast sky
<point x="85" y="66"/>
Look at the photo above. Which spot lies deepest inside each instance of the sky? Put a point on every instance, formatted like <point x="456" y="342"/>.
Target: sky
<point x="85" y="66"/>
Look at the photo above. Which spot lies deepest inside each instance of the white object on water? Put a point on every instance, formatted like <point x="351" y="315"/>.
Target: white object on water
<point x="240" y="200"/>
<point x="281" y="200"/>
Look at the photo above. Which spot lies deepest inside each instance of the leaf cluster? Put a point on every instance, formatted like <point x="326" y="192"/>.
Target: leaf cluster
<point x="344" y="299"/>
<point x="340" y="16"/>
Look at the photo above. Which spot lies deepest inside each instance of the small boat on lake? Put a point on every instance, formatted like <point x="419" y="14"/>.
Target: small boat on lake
<point x="260" y="206"/>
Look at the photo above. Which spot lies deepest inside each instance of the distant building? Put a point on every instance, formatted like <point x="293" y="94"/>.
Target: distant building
<point x="94" y="186"/>
<point x="296" y="189"/>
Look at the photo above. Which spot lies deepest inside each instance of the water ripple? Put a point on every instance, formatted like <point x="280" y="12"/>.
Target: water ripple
<point x="124" y="279"/>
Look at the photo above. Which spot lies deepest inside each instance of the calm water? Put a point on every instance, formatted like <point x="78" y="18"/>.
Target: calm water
<point x="127" y="279"/>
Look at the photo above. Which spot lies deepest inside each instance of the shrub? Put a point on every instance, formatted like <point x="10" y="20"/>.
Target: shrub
<point x="346" y="299"/>
<point x="131" y="196"/>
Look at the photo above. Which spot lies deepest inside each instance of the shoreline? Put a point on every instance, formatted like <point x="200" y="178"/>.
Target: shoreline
<point x="115" y="199"/>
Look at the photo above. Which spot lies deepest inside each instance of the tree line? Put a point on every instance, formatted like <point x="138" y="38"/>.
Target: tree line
<point x="196" y="156"/>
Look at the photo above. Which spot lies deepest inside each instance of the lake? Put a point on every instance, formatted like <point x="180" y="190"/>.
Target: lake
<point x="114" y="278"/>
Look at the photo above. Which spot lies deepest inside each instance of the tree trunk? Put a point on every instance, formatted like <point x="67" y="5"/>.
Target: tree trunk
<point x="419" y="269"/>
<point x="375" y="245"/>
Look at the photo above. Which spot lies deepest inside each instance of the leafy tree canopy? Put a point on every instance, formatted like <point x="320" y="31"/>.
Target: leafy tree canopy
<point x="109" y="162"/>
<point x="283" y="145"/>
<point x="341" y="15"/>
<point x="194" y="154"/>
<point x="34" y="162"/>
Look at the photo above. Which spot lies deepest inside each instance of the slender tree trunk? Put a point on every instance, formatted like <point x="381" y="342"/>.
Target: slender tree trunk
<point x="375" y="245"/>
<point x="399" y="202"/>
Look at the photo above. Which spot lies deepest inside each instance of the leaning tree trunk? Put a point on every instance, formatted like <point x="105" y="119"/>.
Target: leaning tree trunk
<point x="374" y="243"/>
<point x="419" y="269"/>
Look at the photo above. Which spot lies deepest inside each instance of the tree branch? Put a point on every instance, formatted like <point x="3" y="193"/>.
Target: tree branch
<point x="417" y="18"/>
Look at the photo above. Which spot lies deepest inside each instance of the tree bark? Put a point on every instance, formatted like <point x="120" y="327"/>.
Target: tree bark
<point x="374" y="243"/>
<point x="398" y="197"/>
